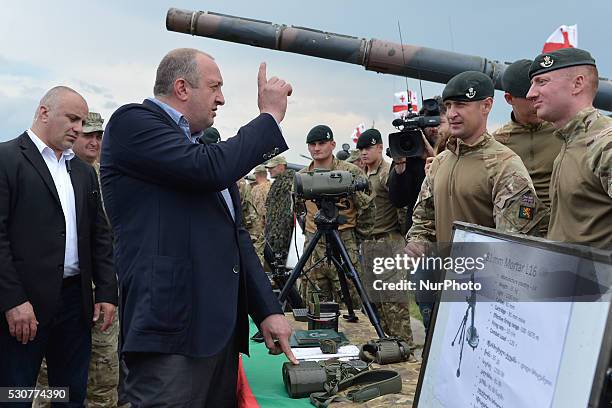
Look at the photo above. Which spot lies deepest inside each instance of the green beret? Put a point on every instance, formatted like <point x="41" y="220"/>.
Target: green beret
<point x="370" y="137"/>
<point x="468" y="86"/>
<point x="561" y="58"/>
<point x="93" y="123"/>
<point x="319" y="133"/>
<point x="515" y="80"/>
<point x="210" y="135"/>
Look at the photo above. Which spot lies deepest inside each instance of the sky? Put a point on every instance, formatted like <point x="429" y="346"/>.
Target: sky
<point x="109" y="51"/>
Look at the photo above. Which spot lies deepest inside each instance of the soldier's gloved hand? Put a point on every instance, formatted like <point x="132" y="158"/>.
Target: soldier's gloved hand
<point x="272" y="94"/>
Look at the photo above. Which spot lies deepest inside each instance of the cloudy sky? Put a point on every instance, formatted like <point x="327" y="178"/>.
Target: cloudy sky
<point x="109" y="50"/>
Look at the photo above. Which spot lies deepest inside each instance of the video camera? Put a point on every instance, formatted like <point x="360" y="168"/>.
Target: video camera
<point x="345" y="153"/>
<point x="408" y="142"/>
<point x="332" y="184"/>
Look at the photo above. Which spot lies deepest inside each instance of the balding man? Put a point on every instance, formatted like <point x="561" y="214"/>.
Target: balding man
<point x="563" y="86"/>
<point x="187" y="269"/>
<point x="54" y="243"/>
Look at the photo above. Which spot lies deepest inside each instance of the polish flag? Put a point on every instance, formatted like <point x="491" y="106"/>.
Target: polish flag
<point x="357" y="131"/>
<point x="562" y="37"/>
<point x="401" y="102"/>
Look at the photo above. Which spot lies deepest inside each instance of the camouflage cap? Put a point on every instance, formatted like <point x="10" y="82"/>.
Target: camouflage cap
<point x="275" y="161"/>
<point x="260" y="169"/>
<point x="370" y="137"/>
<point x="515" y="80"/>
<point x="355" y="155"/>
<point x="250" y="177"/>
<point x="210" y="135"/>
<point x="319" y="133"/>
<point x="468" y="86"/>
<point x="93" y="123"/>
<point x="558" y="59"/>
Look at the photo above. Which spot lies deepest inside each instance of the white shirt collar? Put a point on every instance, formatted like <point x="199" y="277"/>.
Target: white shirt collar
<point x="41" y="146"/>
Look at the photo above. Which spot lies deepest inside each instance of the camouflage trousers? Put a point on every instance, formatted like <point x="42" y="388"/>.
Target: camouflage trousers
<point x="325" y="275"/>
<point x="394" y="316"/>
<point x="103" y="368"/>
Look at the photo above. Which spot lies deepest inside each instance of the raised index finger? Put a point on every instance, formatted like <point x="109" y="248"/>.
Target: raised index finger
<point x="284" y="345"/>
<point x="261" y="75"/>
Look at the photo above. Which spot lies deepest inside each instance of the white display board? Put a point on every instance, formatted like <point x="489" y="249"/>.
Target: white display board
<point x="528" y="354"/>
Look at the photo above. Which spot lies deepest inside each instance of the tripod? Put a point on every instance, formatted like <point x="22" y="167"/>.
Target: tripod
<point x="327" y="220"/>
<point x="279" y="276"/>
<point x="472" y="333"/>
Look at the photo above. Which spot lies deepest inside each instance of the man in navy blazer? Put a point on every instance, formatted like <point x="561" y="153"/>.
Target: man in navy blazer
<point x="187" y="270"/>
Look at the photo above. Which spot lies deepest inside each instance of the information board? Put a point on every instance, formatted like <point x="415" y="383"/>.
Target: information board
<point x="495" y="353"/>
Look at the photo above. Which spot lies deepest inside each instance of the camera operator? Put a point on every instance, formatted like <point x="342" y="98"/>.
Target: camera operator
<point x="394" y="316"/>
<point x="357" y="209"/>
<point x="407" y="173"/>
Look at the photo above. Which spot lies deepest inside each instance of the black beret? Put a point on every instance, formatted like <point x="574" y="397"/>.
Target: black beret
<point x="468" y="86"/>
<point x="515" y="80"/>
<point x="210" y="135"/>
<point x="370" y="137"/>
<point x="561" y="58"/>
<point x="319" y="133"/>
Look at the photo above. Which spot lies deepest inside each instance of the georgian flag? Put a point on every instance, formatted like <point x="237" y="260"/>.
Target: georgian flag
<point x="357" y="131"/>
<point x="562" y="37"/>
<point x="402" y="100"/>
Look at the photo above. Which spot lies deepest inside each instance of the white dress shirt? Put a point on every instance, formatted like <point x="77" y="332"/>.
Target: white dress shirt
<point x="63" y="185"/>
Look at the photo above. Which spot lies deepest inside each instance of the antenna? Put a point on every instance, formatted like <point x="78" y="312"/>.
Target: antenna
<point x="399" y="28"/>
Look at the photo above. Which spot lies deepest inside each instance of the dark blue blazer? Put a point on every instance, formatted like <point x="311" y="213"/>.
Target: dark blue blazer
<point x="188" y="273"/>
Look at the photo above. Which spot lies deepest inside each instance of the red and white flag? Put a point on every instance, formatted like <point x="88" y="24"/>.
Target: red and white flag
<point x="562" y="37"/>
<point x="357" y="131"/>
<point x="401" y="102"/>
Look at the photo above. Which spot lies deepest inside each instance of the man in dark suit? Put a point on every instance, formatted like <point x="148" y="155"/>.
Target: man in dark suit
<point x="54" y="242"/>
<point x="187" y="270"/>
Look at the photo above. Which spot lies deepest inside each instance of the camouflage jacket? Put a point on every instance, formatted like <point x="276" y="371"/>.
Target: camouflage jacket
<point x="279" y="213"/>
<point x="249" y="215"/>
<point x="388" y="218"/>
<point x="581" y="185"/>
<point x="259" y="194"/>
<point x="484" y="183"/>
<point x="360" y="213"/>
<point x="537" y="148"/>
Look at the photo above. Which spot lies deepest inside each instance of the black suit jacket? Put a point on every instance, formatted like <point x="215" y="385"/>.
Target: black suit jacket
<point x="188" y="273"/>
<point x="33" y="233"/>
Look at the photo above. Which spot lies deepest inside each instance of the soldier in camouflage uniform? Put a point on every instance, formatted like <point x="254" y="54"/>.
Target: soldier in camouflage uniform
<point x="359" y="214"/>
<point x="394" y="317"/>
<point x="279" y="211"/>
<point x="259" y="193"/>
<point x="563" y="85"/>
<point x="104" y="363"/>
<point x="249" y="215"/>
<point x="476" y="179"/>
<point x="526" y="134"/>
<point x="355" y="158"/>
